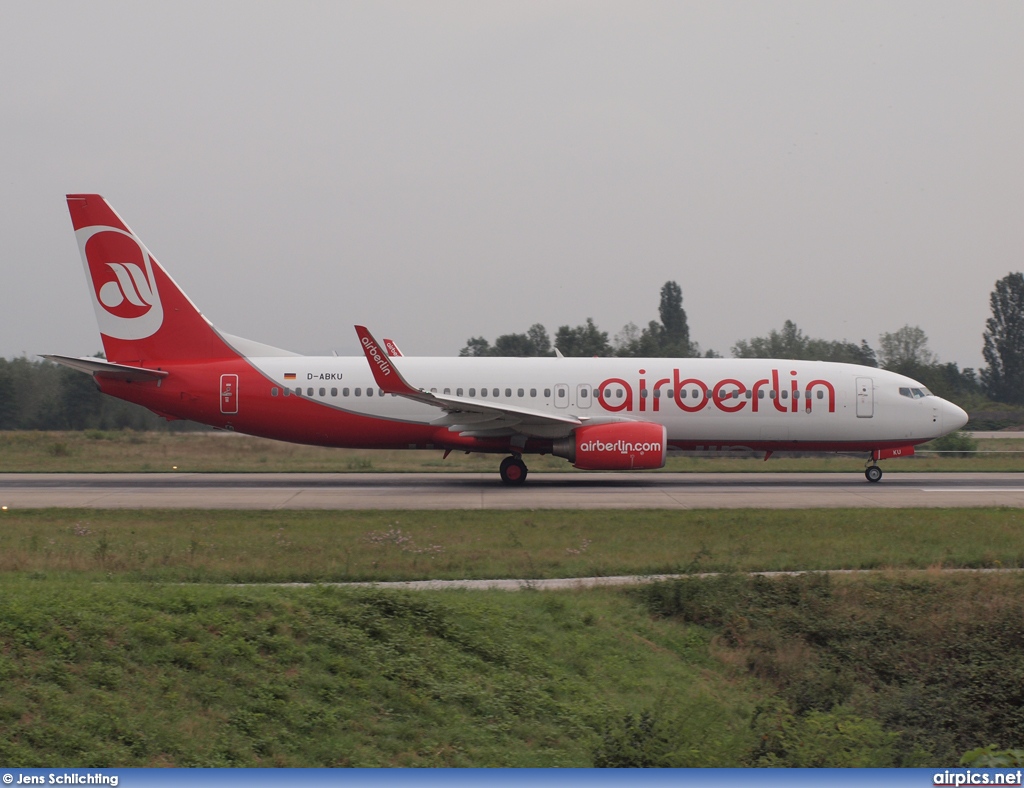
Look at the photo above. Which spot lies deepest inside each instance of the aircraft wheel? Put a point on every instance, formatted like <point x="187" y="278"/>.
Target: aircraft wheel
<point x="513" y="470"/>
<point x="873" y="473"/>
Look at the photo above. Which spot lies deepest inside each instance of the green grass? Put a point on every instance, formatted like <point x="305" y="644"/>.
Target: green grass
<point x="321" y="546"/>
<point x="148" y="676"/>
<point x="733" y="671"/>
<point x="933" y="663"/>
<point x="97" y="451"/>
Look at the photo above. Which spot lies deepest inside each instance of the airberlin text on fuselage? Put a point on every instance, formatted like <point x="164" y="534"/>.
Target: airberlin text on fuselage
<point x="729" y="395"/>
<point x="374" y="353"/>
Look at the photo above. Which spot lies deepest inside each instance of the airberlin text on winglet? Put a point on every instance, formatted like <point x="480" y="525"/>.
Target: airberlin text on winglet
<point x="373" y="353"/>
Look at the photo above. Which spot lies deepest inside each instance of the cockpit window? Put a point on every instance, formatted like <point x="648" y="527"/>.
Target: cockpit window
<point x="914" y="393"/>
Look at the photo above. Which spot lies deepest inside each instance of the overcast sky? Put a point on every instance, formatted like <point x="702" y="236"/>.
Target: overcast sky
<point x="440" y="170"/>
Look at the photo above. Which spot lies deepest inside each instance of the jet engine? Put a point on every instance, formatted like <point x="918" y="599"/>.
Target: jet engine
<point x="620" y="446"/>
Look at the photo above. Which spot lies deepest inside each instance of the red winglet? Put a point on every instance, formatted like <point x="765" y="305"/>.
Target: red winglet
<point x="384" y="371"/>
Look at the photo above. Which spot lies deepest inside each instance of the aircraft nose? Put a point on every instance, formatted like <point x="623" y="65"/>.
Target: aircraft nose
<point x="953" y="416"/>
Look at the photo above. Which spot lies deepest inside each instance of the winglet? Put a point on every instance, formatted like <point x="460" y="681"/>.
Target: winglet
<point x="392" y="348"/>
<point x="384" y="371"/>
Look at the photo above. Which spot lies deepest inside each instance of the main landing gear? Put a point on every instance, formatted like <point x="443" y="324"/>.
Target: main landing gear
<point x="873" y="473"/>
<point x="513" y="470"/>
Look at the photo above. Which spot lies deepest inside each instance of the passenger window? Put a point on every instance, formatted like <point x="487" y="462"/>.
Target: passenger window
<point x="495" y="393"/>
<point x="447" y="391"/>
<point x="771" y="394"/>
<point x="359" y="392"/>
<point x="643" y="393"/>
<point x="458" y="392"/>
<point x="760" y="394"/>
<point x="682" y="393"/>
<point x="618" y="393"/>
<point x="273" y="391"/>
<point x="821" y="394"/>
<point x="369" y="392"/>
<point x="547" y="392"/>
<point x="533" y="392"/>
<point x="344" y="392"/>
<point x="472" y="392"/>
<point x="483" y="392"/>
<point x="508" y="392"/>
<point x="520" y="393"/>
<point x="323" y="392"/>
<point x="287" y="391"/>
<point x="785" y="394"/>
<point x="334" y="392"/>
<point x="657" y="393"/>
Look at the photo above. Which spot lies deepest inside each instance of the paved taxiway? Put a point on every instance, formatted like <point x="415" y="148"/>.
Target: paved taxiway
<point x="485" y="491"/>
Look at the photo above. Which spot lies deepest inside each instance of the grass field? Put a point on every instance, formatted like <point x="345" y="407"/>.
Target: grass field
<point x="802" y="671"/>
<point x="126" y="451"/>
<point x="315" y="546"/>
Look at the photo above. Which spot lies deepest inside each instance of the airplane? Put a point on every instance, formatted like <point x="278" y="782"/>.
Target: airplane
<point x="604" y="414"/>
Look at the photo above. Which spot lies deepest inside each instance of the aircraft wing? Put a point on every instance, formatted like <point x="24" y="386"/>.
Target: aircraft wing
<point x="468" y="417"/>
<point x="97" y="366"/>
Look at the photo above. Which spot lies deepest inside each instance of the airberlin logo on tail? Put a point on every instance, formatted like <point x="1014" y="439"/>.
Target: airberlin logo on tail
<point x="125" y="294"/>
<point x="128" y="293"/>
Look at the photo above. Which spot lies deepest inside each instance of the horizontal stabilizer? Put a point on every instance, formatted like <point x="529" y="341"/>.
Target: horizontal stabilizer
<point x="97" y="366"/>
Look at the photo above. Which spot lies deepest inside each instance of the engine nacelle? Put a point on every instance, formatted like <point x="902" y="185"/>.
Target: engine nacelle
<point x="620" y="446"/>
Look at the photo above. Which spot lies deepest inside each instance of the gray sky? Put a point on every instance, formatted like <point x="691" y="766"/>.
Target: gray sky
<point x="441" y="170"/>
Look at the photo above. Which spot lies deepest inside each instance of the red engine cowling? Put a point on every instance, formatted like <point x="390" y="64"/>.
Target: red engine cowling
<point x="620" y="446"/>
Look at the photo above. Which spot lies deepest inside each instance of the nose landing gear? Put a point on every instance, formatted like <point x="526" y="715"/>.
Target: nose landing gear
<point x="513" y="470"/>
<point x="873" y="473"/>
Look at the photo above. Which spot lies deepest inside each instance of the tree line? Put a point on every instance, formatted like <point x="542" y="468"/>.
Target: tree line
<point x="39" y="395"/>
<point x="904" y="351"/>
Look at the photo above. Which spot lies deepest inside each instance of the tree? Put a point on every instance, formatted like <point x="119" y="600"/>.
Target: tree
<point x="788" y="343"/>
<point x="905" y="350"/>
<point x="668" y="339"/>
<point x="791" y="342"/>
<point x="583" y="340"/>
<point x="476" y="346"/>
<point x="675" y="332"/>
<point x="535" y="342"/>
<point x="1003" y="349"/>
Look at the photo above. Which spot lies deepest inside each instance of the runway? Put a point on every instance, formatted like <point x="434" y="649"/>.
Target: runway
<point x="484" y="491"/>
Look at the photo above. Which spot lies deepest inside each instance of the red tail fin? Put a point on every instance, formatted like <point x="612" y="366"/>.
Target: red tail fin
<point x="142" y="314"/>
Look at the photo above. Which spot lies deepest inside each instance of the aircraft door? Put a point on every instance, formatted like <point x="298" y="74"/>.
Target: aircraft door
<point x="229" y="394"/>
<point x="583" y="395"/>
<point x="865" y="398"/>
<point x="561" y="395"/>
